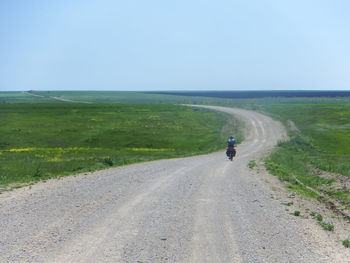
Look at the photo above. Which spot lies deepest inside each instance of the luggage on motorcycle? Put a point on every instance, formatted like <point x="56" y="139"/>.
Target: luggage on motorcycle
<point x="230" y="149"/>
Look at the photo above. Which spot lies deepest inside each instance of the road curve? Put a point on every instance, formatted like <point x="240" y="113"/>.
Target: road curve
<point x="197" y="209"/>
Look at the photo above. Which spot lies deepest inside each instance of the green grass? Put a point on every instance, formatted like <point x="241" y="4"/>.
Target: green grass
<point x="105" y="97"/>
<point x="40" y="140"/>
<point x="319" y="217"/>
<point x="326" y="126"/>
<point x="326" y="226"/>
<point x="145" y="97"/>
<point x="323" y="143"/>
<point x="16" y="96"/>
<point x="251" y="164"/>
<point x="346" y="243"/>
<point x="296" y="213"/>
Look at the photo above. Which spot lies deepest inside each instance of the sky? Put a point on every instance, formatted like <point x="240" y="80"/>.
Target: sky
<point x="174" y="45"/>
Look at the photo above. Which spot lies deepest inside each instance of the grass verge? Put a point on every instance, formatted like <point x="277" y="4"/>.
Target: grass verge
<point x="315" y="161"/>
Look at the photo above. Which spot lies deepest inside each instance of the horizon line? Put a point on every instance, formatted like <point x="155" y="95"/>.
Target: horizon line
<point x="196" y="90"/>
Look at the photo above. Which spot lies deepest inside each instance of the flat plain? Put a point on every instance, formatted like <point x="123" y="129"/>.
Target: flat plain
<point x="309" y="207"/>
<point x="196" y="209"/>
<point x="43" y="140"/>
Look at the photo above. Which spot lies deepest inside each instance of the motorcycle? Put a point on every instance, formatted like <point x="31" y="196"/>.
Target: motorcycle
<point x="230" y="152"/>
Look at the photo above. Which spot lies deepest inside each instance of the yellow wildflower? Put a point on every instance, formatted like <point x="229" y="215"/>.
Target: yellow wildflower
<point x="54" y="159"/>
<point x="152" y="149"/>
<point x="22" y="150"/>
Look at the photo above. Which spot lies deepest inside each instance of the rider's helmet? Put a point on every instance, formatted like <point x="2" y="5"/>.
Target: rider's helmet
<point x="231" y="137"/>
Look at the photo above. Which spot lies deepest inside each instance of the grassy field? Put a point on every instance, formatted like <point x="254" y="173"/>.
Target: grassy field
<point x="249" y="94"/>
<point x="16" y="96"/>
<point x="97" y="97"/>
<point x="146" y="97"/>
<point x="320" y="142"/>
<point x="40" y="140"/>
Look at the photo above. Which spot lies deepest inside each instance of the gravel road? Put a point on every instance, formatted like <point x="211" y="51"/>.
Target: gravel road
<point x="197" y="209"/>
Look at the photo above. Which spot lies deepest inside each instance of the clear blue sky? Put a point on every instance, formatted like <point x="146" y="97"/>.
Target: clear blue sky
<point x="174" y="45"/>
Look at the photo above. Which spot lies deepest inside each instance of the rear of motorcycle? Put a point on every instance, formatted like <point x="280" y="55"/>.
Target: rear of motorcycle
<point x="230" y="152"/>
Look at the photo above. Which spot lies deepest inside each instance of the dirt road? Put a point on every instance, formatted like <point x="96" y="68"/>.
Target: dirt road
<point x="198" y="209"/>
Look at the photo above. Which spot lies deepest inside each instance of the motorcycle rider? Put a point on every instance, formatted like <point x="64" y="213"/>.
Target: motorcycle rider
<point x="231" y="141"/>
<point x="231" y="147"/>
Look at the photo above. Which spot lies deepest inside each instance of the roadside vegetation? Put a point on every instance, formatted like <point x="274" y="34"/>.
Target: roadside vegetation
<point x="346" y="243"/>
<point x="45" y="140"/>
<point x="251" y="164"/>
<point x="296" y="213"/>
<point x="316" y="159"/>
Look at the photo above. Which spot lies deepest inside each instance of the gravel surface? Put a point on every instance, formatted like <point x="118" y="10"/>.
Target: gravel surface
<point x="197" y="209"/>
